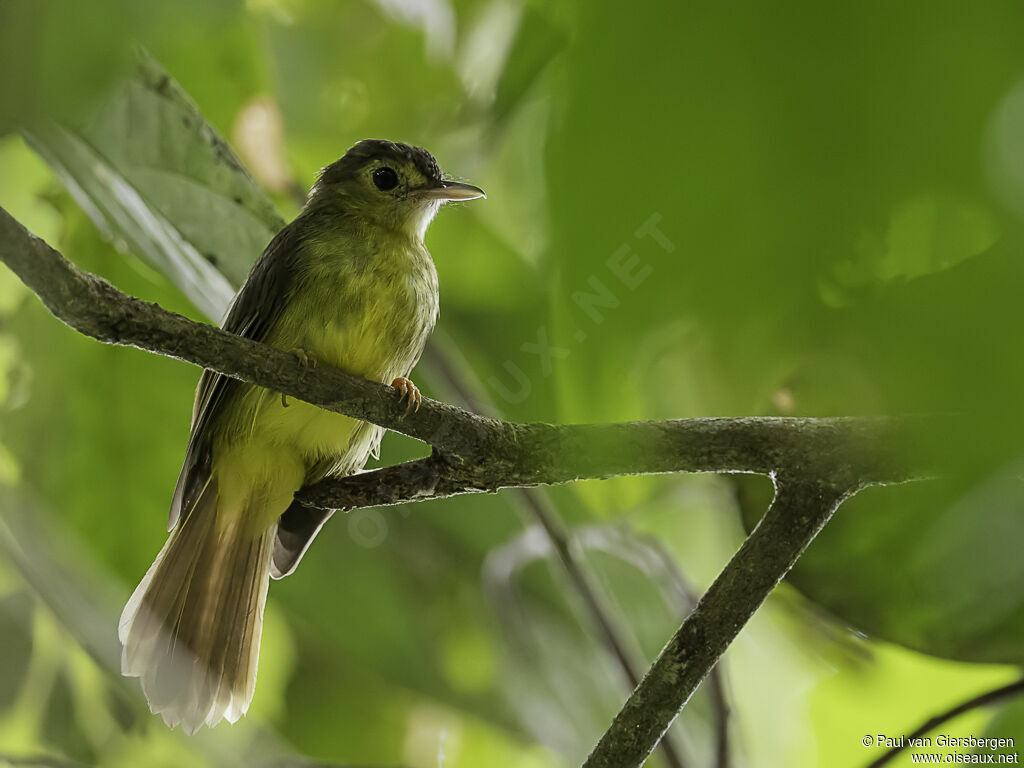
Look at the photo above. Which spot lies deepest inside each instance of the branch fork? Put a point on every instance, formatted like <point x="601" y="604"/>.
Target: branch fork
<point x="815" y="463"/>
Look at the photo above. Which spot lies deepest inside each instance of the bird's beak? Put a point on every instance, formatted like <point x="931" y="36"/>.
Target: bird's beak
<point x="453" y="190"/>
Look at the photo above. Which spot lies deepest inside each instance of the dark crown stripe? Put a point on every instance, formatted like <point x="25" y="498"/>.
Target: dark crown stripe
<point x="370" y="150"/>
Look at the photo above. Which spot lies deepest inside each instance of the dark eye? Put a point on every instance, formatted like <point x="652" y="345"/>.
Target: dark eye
<point x="385" y="179"/>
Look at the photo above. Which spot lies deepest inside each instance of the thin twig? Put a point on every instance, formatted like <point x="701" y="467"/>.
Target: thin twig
<point x="798" y="512"/>
<point x="716" y="682"/>
<point x="989" y="697"/>
<point x="473" y="453"/>
<point x="543" y="511"/>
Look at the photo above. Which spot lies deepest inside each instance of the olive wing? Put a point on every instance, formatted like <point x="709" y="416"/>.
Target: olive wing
<point x="253" y="312"/>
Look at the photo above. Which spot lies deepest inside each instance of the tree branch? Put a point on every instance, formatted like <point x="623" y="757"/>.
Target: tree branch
<point x="472" y="453"/>
<point x="536" y="503"/>
<point x="798" y="512"/>
<point x="95" y="308"/>
<point x="816" y="463"/>
<point x="716" y="682"/>
<point x="517" y="455"/>
<point x="1015" y="688"/>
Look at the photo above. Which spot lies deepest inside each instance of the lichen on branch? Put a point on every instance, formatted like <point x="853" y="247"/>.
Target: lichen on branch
<point x="815" y="463"/>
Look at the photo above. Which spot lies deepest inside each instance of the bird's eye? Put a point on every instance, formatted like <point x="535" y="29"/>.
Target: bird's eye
<point x="385" y="179"/>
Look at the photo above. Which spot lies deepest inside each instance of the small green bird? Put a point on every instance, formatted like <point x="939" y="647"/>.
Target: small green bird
<point x="349" y="283"/>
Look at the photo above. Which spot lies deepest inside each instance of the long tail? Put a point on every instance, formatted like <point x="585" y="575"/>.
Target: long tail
<point x="191" y="630"/>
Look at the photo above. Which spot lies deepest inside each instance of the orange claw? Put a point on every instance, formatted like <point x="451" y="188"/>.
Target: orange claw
<point x="410" y="392"/>
<point x="306" y="360"/>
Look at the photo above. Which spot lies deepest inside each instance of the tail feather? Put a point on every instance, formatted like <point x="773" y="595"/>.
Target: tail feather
<point x="191" y="630"/>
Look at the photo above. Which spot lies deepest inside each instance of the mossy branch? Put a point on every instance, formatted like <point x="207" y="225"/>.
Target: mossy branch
<point x="815" y="463"/>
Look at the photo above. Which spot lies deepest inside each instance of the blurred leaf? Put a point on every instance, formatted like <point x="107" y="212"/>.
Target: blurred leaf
<point x="1004" y="162"/>
<point x="347" y="71"/>
<point x="561" y="695"/>
<point x="479" y="273"/>
<point x="537" y="41"/>
<point x="76" y="694"/>
<point x="191" y="189"/>
<point x="1006" y="723"/>
<point x="927" y="233"/>
<point x="159" y="181"/>
<point x="932" y="232"/>
<point x="761" y="177"/>
<point x="764" y="175"/>
<point x="98" y="398"/>
<point x="23" y="185"/>
<point x="107" y="196"/>
<point x="64" y="59"/>
<point x="559" y="676"/>
<point x="15" y="643"/>
<point x="894" y="694"/>
<point x="277" y="663"/>
<point x="882" y="173"/>
<point x="933" y="566"/>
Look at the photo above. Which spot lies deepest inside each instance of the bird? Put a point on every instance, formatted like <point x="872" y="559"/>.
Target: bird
<point x="348" y="283"/>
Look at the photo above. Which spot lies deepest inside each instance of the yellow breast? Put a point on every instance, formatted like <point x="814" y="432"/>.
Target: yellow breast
<point x="368" y="315"/>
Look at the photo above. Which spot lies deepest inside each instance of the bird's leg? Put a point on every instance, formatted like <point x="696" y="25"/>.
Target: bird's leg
<point x="306" y="362"/>
<point x="409" y="391"/>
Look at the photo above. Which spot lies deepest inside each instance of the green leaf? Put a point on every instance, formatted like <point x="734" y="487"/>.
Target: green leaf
<point x="927" y="233"/>
<point x="558" y="673"/>
<point x="161" y="183"/>
<point x="934" y="566"/>
<point x="537" y="41"/>
<point x="57" y="59"/>
<point x="1006" y="723"/>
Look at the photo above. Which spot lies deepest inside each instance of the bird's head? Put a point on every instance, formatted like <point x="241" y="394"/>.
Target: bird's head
<point x="388" y="184"/>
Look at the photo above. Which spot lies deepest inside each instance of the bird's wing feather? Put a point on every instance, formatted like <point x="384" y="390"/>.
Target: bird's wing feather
<point x="254" y="311"/>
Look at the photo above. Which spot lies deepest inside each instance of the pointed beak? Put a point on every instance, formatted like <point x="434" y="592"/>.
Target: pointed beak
<point x="453" y="190"/>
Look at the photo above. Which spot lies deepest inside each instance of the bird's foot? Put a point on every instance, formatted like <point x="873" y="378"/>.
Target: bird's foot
<point x="306" y="362"/>
<point x="410" y="393"/>
<point x="306" y="359"/>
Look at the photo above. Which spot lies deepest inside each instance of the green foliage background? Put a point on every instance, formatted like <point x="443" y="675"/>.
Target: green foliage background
<point x="695" y="209"/>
